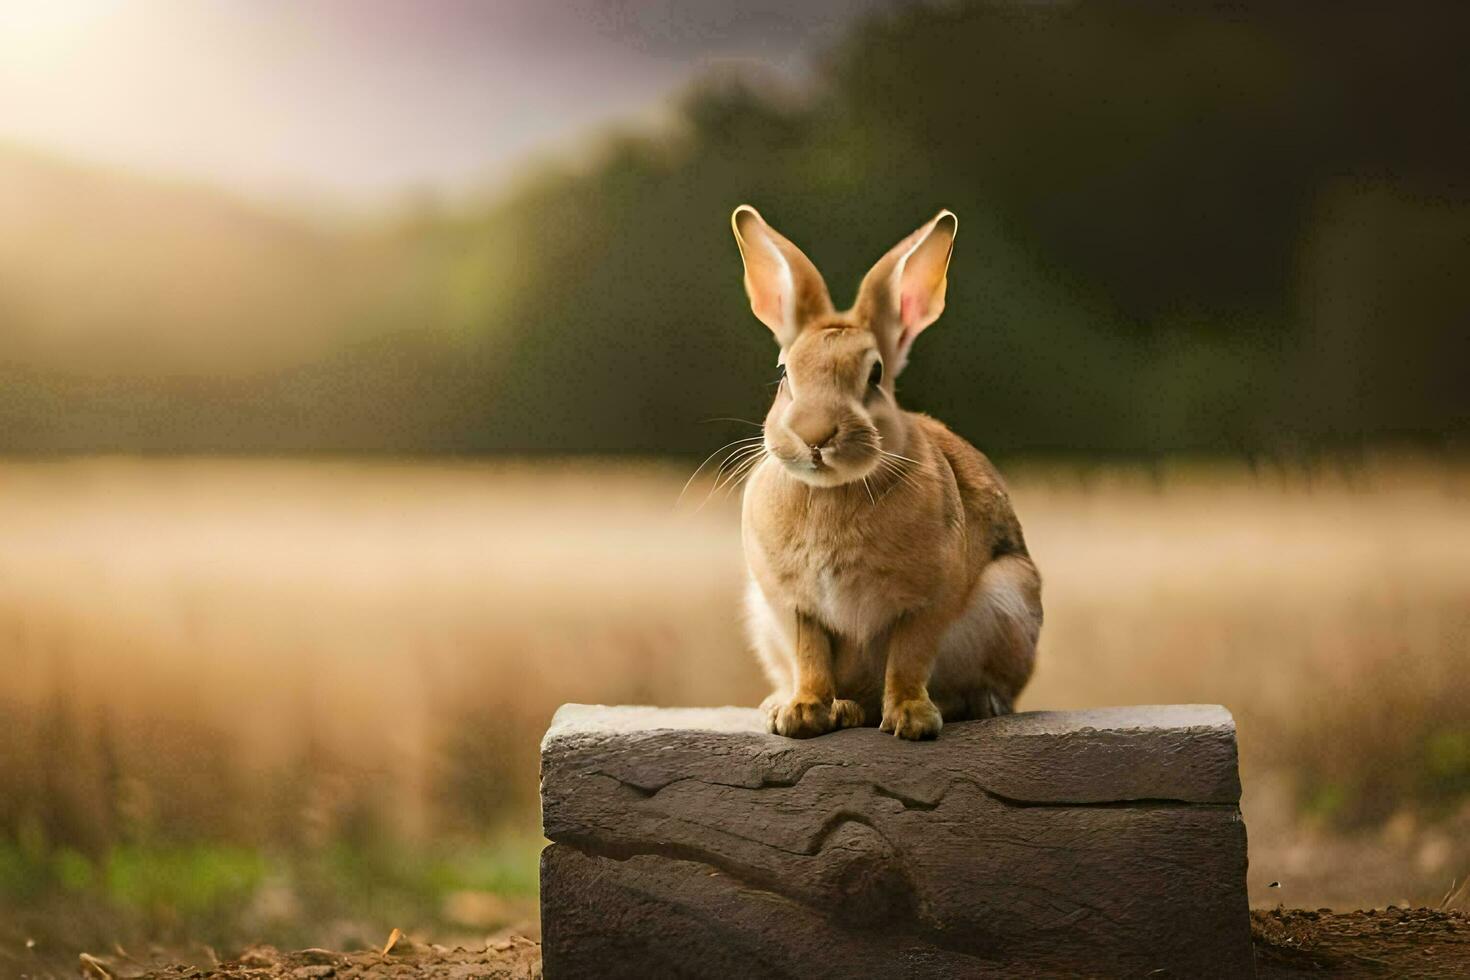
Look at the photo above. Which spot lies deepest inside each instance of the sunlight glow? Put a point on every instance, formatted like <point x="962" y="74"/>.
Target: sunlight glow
<point x="34" y="33"/>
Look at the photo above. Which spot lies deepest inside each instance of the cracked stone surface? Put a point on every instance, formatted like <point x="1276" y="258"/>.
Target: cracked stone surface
<point x="690" y="843"/>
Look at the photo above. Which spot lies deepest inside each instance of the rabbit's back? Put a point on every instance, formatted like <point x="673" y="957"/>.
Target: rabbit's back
<point x="991" y="521"/>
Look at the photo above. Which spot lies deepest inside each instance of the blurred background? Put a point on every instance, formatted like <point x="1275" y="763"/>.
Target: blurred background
<point x="354" y="353"/>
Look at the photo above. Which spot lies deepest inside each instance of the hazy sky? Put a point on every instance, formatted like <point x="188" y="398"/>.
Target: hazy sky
<point x="355" y="97"/>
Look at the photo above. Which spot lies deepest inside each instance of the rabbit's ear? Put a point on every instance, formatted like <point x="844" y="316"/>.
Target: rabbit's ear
<point x="904" y="292"/>
<point x="785" y="289"/>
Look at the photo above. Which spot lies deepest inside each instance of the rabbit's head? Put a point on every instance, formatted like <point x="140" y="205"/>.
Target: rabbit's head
<point x="834" y="414"/>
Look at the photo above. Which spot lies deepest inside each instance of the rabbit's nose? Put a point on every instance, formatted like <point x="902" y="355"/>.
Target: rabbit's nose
<point x="816" y="436"/>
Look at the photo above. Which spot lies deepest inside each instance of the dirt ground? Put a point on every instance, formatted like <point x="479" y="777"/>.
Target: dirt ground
<point x="1290" y="943"/>
<point x="517" y="958"/>
<point x="1392" y="942"/>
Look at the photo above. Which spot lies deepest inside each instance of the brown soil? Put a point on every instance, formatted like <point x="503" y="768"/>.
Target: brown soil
<point x="1290" y="943"/>
<point x="507" y="959"/>
<point x="1393" y="942"/>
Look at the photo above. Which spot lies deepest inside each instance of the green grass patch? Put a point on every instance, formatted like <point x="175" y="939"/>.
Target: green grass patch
<point x="185" y="880"/>
<point x="207" y="891"/>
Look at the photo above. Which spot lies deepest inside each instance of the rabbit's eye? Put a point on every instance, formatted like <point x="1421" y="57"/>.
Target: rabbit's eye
<point x="875" y="376"/>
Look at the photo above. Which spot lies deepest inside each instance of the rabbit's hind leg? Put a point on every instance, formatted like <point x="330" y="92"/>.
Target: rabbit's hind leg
<point x="986" y="657"/>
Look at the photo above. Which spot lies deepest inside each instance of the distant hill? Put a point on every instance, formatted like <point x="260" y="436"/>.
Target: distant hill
<point x="108" y="271"/>
<point x="137" y="313"/>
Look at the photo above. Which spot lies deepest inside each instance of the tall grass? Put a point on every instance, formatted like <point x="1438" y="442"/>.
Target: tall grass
<point x="270" y="673"/>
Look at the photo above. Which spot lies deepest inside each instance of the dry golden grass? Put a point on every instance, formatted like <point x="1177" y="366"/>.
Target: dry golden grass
<point x="295" y="652"/>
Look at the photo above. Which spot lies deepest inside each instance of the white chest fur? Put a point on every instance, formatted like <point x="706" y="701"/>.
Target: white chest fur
<point x="827" y="569"/>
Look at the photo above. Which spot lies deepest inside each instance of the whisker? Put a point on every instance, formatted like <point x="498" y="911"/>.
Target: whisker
<point x="900" y="473"/>
<point x="870" y="492"/>
<point x="736" y="474"/>
<point x="736" y="460"/>
<point x="900" y="470"/>
<point x="748" y="447"/>
<point x="724" y="477"/>
<point x="711" y="456"/>
<point x="744" y="475"/>
<point x="892" y="485"/>
<point x="729" y="465"/>
<point x="754" y="447"/>
<point x="727" y="418"/>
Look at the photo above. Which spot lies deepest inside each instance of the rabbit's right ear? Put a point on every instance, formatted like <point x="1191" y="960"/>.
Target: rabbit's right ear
<point x="904" y="292"/>
<point x="785" y="289"/>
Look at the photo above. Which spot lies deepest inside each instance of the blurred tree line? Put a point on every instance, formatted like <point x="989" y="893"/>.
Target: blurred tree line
<point x="1242" y="229"/>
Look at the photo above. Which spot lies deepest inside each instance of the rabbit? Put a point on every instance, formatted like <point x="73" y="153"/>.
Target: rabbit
<point x="889" y="580"/>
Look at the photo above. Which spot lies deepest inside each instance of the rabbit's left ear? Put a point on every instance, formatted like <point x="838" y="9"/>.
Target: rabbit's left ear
<point x="785" y="289"/>
<point x="904" y="291"/>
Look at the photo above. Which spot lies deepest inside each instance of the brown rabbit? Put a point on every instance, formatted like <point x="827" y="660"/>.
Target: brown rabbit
<point x="888" y="574"/>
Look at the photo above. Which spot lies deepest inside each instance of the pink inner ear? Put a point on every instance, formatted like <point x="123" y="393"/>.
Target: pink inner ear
<point x="910" y="310"/>
<point x="769" y="307"/>
<point x="906" y="340"/>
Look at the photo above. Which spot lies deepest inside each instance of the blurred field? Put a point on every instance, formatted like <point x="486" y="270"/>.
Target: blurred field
<point x="300" y="700"/>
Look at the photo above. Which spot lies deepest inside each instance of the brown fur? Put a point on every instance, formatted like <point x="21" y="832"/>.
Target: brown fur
<point x="889" y="575"/>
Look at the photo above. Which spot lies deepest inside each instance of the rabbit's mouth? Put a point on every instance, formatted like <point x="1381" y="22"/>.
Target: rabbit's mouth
<point x="821" y="450"/>
<point x="827" y="466"/>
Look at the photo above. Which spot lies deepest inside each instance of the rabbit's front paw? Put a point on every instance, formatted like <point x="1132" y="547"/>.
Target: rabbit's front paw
<point x="804" y="717"/>
<point x="913" y="719"/>
<point x="770" y="708"/>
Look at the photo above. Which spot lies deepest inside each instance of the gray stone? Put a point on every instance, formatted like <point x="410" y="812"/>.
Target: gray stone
<point x="690" y="843"/>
